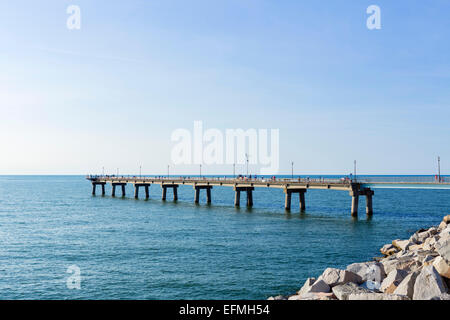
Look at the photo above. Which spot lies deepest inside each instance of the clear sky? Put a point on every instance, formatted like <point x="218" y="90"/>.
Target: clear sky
<point x="110" y="94"/>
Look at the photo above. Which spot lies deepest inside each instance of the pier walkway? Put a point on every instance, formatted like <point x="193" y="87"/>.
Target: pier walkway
<point x="289" y="186"/>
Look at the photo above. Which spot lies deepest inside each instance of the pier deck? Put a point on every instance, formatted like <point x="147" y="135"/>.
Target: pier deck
<point x="289" y="186"/>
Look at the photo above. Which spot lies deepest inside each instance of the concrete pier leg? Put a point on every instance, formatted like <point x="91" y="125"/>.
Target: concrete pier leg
<point x="164" y="193"/>
<point x="147" y="193"/>
<point x="136" y="192"/>
<point x="103" y="189"/>
<point x="197" y="195"/>
<point x="249" y="198"/>
<point x="237" y="198"/>
<point x="355" y="202"/>
<point x="113" y="190"/>
<point x="302" y="201"/>
<point x="94" y="186"/>
<point x="287" y="201"/>
<point x="208" y="195"/>
<point x="123" y="190"/>
<point x="369" y="207"/>
<point x="175" y="194"/>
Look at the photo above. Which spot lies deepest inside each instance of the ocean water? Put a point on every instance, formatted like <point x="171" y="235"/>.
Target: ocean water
<point x="149" y="249"/>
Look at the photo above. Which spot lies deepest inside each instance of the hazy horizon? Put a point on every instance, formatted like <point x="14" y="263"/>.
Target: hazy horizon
<point x="111" y="93"/>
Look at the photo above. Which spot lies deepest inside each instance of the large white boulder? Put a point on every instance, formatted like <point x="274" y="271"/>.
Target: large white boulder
<point x="442" y="267"/>
<point x="428" y="284"/>
<point x="334" y="277"/>
<point x="368" y="271"/>
<point x="393" y="279"/>
<point x="376" y="296"/>
<point x="406" y="287"/>
<point x="443" y="248"/>
<point x="402" y="244"/>
<point x="314" y="286"/>
<point x="343" y="291"/>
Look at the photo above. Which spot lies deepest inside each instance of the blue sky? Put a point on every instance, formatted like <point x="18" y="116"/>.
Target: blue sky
<point x="110" y="95"/>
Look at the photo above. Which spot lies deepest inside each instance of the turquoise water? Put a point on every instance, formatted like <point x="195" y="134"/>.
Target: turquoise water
<point x="138" y="249"/>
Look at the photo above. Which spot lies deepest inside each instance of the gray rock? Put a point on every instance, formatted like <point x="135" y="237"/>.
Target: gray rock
<point x="406" y="287"/>
<point x="371" y="285"/>
<point x="343" y="291"/>
<point x="442" y="296"/>
<point x="442" y="267"/>
<point x="393" y="279"/>
<point x="388" y="249"/>
<point x="334" y="277"/>
<point x="308" y="283"/>
<point x="443" y="248"/>
<point x="407" y="262"/>
<point x="368" y="271"/>
<point x="317" y="286"/>
<point x="376" y="296"/>
<point x="428" y="284"/>
<point x="278" y="298"/>
<point x="402" y="244"/>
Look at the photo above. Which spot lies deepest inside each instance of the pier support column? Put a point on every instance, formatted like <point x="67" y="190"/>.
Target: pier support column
<point x="94" y="186"/>
<point x="123" y="190"/>
<point x="147" y="193"/>
<point x="136" y="191"/>
<point x="103" y="189"/>
<point x="208" y="195"/>
<point x="237" y="198"/>
<point x="369" y="209"/>
<point x="302" y="200"/>
<point x="113" y="193"/>
<point x="164" y="193"/>
<point x="355" y="203"/>
<point x="287" y="200"/>
<point x="249" y="198"/>
<point x="197" y="195"/>
<point x="175" y="193"/>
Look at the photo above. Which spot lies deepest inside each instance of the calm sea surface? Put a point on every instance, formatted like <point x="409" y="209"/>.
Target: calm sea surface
<point x="138" y="249"/>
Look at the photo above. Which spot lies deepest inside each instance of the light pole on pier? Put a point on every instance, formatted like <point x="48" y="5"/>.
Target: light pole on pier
<point x="103" y="171"/>
<point x="200" y="171"/>
<point x="117" y="171"/>
<point x="246" y="157"/>
<point x="168" y="171"/>
<point x="292" y="170"/>
<point x="234" y="170"/>
<point x="140" y="171"/>
<point x="439" y="169"/>
<point x="354" y="170"/>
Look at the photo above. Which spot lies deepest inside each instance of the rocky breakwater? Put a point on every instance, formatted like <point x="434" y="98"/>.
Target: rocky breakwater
<point x="413" y="269"/>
